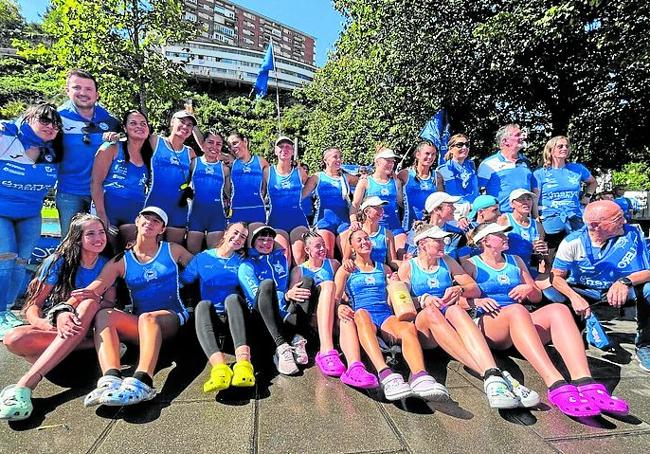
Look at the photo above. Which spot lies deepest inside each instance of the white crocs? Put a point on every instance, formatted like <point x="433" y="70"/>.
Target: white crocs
<point x="104" y="384"/>
<point x="131" y="392"/>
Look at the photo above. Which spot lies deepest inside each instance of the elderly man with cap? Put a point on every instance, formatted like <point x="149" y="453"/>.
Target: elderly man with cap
<point x="507" y="169"/>
<point x="607" y="260"/>
<point x="171" y="165"/>
<point x="383" y="184"/>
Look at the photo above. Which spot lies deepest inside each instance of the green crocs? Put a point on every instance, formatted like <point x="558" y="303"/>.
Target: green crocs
<point x="220" y="377"/>
<point x="15" y="403"/>
<point x="244" y="375"/>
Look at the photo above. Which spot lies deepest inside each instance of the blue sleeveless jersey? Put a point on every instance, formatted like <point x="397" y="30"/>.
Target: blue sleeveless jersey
<point x="247" y="188"/>
<point x="432" y="282"/>
<point x="415" y="194"/>
<point x="496" y="284"/>
<point x="154" y="285"/>
<point x="207" y="213"/>
<point x="323" y="274"/>
<point x="379" y="242"/>
<point x="460" y="179"/>
<point x="367" y="290"/>
<point x="520" y="239"/>
<point x="332" y="202"/>
<point x="284" y="200"/>
<point x="169" y="171"/>
<point x="217" y="276"/>
<point x="125" y="188"/>
<point x="388" y="192"/>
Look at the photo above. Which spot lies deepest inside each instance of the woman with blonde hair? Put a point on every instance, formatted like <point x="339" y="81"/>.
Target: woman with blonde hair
<point x="457" y="176"/>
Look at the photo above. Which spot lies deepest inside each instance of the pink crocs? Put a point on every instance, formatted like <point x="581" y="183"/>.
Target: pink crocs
<point x="571" y="403"/>
<point x="330" y="364"/>
<point x="358" y="377"/>
<point x="598" y="394"/>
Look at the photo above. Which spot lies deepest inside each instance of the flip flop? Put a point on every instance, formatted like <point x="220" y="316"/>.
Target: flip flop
<point x="597" y="393"/>
<point x="220" y="377"/>
<point x="358" y="377"/>
<point x="243" y="374"/>
<point x="569" y="401"/>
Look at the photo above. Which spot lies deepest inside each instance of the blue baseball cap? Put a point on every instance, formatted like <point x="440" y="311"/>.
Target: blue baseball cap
<point x="480" y="203"/>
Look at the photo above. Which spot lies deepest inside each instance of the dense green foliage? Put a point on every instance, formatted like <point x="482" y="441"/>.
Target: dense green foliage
<point x="580" y="67"/>
<point x="634" y="176"/>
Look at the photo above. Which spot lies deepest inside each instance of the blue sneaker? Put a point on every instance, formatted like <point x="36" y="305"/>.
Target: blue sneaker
<point x="643" y="356"/>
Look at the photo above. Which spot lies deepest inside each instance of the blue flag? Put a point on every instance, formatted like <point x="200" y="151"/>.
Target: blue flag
<point x="437" y="132"/>
<point x="262" y="82"/>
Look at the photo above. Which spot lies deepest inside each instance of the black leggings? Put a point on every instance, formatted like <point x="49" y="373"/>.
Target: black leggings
<point x="212" y="328"/>
<point x="266" y="304"/>
<point x="300" y="312"/>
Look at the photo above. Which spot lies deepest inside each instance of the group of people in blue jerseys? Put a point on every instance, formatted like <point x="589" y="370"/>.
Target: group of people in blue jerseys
<point x="493" y="257"/>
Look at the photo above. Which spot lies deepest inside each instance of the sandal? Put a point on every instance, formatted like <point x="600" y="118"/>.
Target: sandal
<point x="358" y="377"/>
<point x="16" y="403"/>
<point x="220" y="377"/>
<point x="569" y="401"/>
<point x="243" y="374"/>
<point x="597" y="393"/>
<point x="330" y="364"/>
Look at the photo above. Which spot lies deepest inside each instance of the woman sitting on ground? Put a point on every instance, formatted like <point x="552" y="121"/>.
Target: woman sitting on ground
<point x="150" y="271"/>
<point x="505" y="283"/>
<point x="365" y="287"/>
<point x="221" y="309"/>
<point x="58" y="324"/>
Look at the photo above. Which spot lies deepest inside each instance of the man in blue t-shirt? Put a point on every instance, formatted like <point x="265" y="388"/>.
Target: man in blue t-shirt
<point x="607" y="260"/>
<point x="84" y="123"/>
<point x="507" y="169"/>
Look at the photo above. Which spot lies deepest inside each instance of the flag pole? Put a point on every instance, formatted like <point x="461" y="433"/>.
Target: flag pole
<point x="277" y="89"/>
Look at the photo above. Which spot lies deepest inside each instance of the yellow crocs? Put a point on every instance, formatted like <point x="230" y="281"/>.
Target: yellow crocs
<point x="244" y="374"/>
<point x="220" y="377"/>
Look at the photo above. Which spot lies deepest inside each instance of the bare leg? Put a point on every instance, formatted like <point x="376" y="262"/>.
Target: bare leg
<point x="298" y="245"/>
<point x="349" y="341"/>
<point x="213" y="238"/>
<point x="325" y="316"/>
<point x="407" y="333"/>
<point x="330" y="241"/>
<point x="127" y="232"/>
<point x="282" y="239"/>
<point x="367" y="332"/>
<point x="472" y="339"/>
<point x="175" y="235"/>
<point x="195" y="241"/>
<point x="110" y="325"/>
<point x="153" y="327"/>
<point x="400" y="243"/>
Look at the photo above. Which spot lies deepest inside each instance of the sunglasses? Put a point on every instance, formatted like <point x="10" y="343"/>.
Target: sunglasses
<point x="87" y="130"/>
<point x="45" y="121"/>
<point x="461" y="144"/>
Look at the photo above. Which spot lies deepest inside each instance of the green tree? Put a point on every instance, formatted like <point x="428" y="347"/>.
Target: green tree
<point x="120" y="42"/>
<point x="12" y="21"/>
<point x="580" y="67"/>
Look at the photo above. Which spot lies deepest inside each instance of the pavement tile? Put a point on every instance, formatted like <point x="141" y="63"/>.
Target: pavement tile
<point x="613" y="444"/>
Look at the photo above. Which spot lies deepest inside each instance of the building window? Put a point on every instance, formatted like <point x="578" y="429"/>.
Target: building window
<point x="190" y="16"/>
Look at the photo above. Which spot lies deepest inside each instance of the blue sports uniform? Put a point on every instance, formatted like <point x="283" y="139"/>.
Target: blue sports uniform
<point x="455" y="248"/>
<point x="500" y="177"/>
<point x="332" y="203"/>
<point x="258" y="267"/>
<point x="307" y="205"/>
<point x="416" y="192"/>
<point x="432" y="282"/>
<point x="217" y="276"/>
<point x="247" y="204"/>
<point x="125" y="188"/>
<point x="460" y="179"/>
<point x="496" y="284"/>
<point x="559" y="196"/>
<point x="323" y="274"/>
<point x="81" y="139"/>
<point x="285" y="211"/>
<point x="367" y="290"/>
<point x="379" y="242"/>
<point x="207" y="213"/>
<point x="626" y="205"/>
<point x="154" y="285"/>
<point x="169" y="171"/>
<point x="520" y="239"/>
<point x="388" y="192"/>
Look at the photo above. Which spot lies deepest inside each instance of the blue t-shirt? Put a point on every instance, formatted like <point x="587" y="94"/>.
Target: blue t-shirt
<point x="460" y="179"/>
<point x="500" y="177"/>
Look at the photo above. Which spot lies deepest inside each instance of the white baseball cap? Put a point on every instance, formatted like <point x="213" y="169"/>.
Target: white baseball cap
<point x="283" y="139"/>
<point x="490" y="228"/>
<point x="438" y="198"/>
<point x="514" y="195"/>
<point x="386" y="153"/>
<point x="157" y="211"/>
<point x="434" y="232"/>
<point x="372" y="201"/>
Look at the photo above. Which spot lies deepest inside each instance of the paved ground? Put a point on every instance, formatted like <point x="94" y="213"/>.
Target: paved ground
<point x="311" y="413"/>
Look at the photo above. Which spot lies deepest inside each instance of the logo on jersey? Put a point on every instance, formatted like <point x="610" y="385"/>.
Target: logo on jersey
<point x="525" y="235"/>
<point x="150" y="274"/>
<point x="246" y="169"/>
<point x="503" y="279"/>
<point x="384" y="191"/>
<point x="425" y="186"/>
<point x="370" y="280"/>
<point x="432" y="282"/>
<point x="285" y="184"/>
<point x="278" y="268"/>
<point x="574" y="179"/>
<point x="103" y="126"/>
<point x="209" y="170"/>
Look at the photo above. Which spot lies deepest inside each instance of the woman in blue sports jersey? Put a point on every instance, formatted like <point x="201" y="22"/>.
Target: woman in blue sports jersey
<point x="560" y="191"/>
<point x="440" y="286"/>
<point x="211" y="185"/>
<point x="150" y="272"/>
<point x="505" y="283"/>
<point x="120" y="176"/>
<point x="248" y="184"/>
<point x="56" y="328"/>
<point x="365" y="286"/>
<point x="170" y="174"/>
<point x="284" y="182"/>
<point x="28" y="170"/>
<point x="370" y="214"/>
<point x="332" y="190"/>
<point x="457" y="176"/>
<point x="383" y="184"/>
<point x="221" y="309"/>
<point x="418" y="182"/>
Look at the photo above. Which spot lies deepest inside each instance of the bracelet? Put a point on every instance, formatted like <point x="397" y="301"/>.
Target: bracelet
<point x="59" y="309"/>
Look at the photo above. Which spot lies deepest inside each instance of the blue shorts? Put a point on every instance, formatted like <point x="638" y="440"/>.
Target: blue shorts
<point x="121" y="210"/>
<point x="254" y="214"/>
<point x="379" y="313"/>
<point x="177" y="214"/>
<point x="392" y="224"/>
<point x="206" y="218"/>
<point x="333" y="224"/>
<point x="288" y="219"/>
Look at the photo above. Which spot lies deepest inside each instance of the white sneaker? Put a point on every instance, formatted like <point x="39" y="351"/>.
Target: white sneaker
<point x="299" y="346"/>
<point x="284" y="361"/>
<point x="426" y="387"/>
<point x="395" y="388"/>
<point x="104" y="384"/>
<point x="499" y="394"/>
<point x="527" y="397"/>
<point x="131" y="392"/>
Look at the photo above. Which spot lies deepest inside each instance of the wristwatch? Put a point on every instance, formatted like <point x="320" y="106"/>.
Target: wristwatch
<point x="626" y="281"/>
